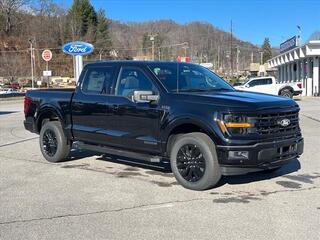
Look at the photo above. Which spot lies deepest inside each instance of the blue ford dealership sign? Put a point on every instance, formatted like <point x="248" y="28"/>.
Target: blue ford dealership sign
<point x="77" y="48"/>
<point x="288" y="44"/>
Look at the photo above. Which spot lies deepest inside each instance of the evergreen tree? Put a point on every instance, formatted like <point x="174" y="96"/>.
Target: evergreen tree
<point x="83" y="18"/>
<point x="103" y="39"/>
<point x="266" y="49"/>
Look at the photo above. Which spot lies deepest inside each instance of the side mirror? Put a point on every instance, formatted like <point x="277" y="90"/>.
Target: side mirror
<point x="247" y="85"/>
<point x="145" y="96"/>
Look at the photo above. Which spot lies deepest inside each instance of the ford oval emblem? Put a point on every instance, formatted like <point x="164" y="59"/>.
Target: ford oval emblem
<point x="284" y="122"/>
<point x="77" y="48"/>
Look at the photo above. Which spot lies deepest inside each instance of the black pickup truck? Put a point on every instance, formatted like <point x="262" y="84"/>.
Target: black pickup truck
<point x="160" y="111"/>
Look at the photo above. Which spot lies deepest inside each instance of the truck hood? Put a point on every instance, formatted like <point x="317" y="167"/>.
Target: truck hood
<point x="241" y="99"/>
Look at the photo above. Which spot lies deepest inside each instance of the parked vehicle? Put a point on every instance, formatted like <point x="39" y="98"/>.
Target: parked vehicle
<point x="7" y="90"/>
<point x="10" y="92"/>
<point x="158" y="111"/>
<point x="269" y="85"/>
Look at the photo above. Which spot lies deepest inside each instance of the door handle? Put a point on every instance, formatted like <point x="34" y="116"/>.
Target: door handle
<point x="115" y="108"/>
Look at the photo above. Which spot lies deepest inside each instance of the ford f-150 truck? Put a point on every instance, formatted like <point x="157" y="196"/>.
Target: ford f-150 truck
<point x="269" y="85"/>
<point x="167" y="111"/>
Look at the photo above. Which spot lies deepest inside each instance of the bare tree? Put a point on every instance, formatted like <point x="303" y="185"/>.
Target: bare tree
<point x="9" y="8"/>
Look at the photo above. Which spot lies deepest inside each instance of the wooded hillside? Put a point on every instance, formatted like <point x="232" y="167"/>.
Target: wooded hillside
<point x="48" y="25"/>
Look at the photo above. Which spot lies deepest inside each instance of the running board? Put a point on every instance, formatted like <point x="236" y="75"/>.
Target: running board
<point x="119" y="152"/>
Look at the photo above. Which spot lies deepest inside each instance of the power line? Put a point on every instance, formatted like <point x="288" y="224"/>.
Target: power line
<point x="113" y="48"/>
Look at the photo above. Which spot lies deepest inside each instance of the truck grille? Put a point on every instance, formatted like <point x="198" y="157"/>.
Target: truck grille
<point x="268" y="124"/>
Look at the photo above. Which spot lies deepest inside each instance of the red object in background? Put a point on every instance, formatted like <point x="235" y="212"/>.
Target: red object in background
<point x="183" y="59"/>
<point x="15" y="85"/>
<point x="46" y="55"/>
<point x="299" y="85"/>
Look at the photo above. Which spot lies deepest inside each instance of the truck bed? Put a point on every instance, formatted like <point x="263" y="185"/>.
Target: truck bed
<point x="55" y="100"/>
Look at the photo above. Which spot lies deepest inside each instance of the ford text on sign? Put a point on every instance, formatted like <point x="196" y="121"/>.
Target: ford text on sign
<point x="78" y="48"/>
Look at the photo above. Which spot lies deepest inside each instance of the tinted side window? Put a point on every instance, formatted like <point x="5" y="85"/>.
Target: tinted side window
<point x="166" y="73"/>
<point x="268" y="81"/>
<point x="254" y="83"/>
<point x="133" y="79"/>
<point x="98" y="80"/>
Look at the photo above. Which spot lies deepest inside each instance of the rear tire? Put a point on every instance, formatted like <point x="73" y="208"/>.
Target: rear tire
<point x="194" y="161"/>
<point x="286" y="93"/>
<point x="53" y="143"/>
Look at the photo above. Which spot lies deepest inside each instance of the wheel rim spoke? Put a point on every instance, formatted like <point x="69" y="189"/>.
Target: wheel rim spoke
<point x="191" y="162"/>
<point x="50" y="143"/>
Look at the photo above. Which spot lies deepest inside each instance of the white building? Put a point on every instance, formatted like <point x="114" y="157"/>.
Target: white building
<point x="300" y="64"/>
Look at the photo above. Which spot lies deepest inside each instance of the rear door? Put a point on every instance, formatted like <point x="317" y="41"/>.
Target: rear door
<point x="90" y="107"/>
<point x="267" y="86"/>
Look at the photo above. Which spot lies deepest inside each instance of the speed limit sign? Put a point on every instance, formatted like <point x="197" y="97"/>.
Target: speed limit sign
<point x="46" y="55"/>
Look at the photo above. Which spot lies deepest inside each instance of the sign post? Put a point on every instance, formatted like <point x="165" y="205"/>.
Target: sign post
<point x="47" y="56"/>
<point x="78" y="49"/>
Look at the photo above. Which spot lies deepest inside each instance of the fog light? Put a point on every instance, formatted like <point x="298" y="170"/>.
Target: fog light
<point x="238" y="155"/>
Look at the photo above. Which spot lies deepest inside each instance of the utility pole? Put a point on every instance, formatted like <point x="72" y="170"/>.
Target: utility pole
<point x="218" y="62"/>
<point x="251" y="57"/>
<point x="261" y="57"/>
<point x="100" y="54"/>
<point x="31" y="60"/>
<point x="238" y="52"/>
<point x="231" y="52"/>
<point x="185" y="47"/>
<point x="152" y="36"/>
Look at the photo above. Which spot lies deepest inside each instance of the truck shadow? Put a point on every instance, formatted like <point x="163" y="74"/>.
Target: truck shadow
<point x="291" y="167"/>
<point x="164" y="168"/>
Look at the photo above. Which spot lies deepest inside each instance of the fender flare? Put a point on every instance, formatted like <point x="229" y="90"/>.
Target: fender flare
<point x="52" y="109"/>
<point x="209" y="129"/>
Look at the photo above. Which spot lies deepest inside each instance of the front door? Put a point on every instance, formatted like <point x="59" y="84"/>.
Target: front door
<point x="137" y="123"/>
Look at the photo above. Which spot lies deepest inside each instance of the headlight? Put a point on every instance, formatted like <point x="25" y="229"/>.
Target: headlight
<point x="235" y="124"/>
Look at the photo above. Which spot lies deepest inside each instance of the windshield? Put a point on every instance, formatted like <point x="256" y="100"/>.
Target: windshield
<point x="180" y="77"/>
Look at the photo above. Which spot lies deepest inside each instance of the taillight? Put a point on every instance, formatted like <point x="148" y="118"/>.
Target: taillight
<point x="299" y="85"/>
<point x="27" y="104"/>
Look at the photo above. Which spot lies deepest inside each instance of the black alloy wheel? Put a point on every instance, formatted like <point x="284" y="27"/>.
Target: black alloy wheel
<point x="191" y="163"/>
<point x="54" y="145"/>
<point x="50" y="143"/>
<point x="194" y="162"/>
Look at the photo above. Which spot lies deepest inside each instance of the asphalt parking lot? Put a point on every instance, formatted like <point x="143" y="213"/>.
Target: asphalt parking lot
<point x="102" y="197"/>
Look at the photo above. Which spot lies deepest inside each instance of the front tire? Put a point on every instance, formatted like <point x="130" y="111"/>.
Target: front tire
<point x="53" y="143"/>
<point x="194" y="161"/>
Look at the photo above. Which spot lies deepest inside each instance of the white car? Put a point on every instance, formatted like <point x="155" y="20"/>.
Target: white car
<point x="8" y="91"/>
<point x="269" y="85"/>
